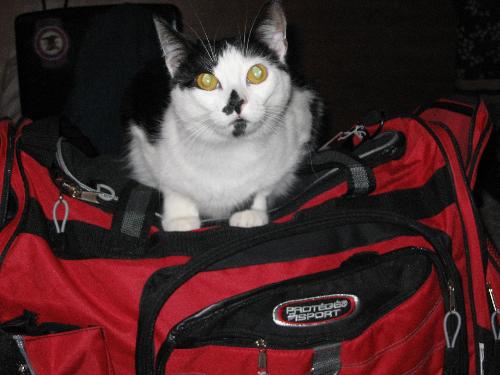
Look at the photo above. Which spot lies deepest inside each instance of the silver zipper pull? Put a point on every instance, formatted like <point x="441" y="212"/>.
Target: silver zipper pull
<point x="262" y="365"/>
<point x="76" y="192"/>
<point x="451" y="295"/>
<point x="492" y="296"/>
<point x="495" y="327"/>
<point x="88" y="196"/>
<point x="452" y="312"/>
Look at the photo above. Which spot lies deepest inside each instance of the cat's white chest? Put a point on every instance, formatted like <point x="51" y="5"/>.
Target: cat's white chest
<point x="221" y="178"/>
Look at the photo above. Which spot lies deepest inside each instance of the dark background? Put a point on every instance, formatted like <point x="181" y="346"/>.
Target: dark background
<point x="360" y="55"/>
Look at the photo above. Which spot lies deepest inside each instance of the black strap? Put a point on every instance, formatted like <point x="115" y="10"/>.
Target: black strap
<point x="360" y="179"/>
<point x="326" y="360"/>
<point x="133" y="218"/>
<point x="11" y="359"/>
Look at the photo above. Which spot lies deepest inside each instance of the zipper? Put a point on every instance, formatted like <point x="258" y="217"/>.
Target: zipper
<point x="145" y="349"/>
<point x="262" y="363"/>
<point x="481" y="358"/>
<point x="463" y="174"/>
<point x="74" y="191"/>
<point x="4" y="204"/>
<point x="24" y="368"/>
<point x="446" y="285"/>
<point x="76" y="188"/>
<point x="495" y="314"/>
<point x="255" y="294"/>
<point x="489" y="288"/>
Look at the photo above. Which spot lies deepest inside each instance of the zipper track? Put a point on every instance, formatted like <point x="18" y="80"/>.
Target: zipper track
<point x="480" y="233"/>
<point x="145" y="349"/>
<point x="245" y="340"/>
<point x="6" y="177"/>
<point x="17" y="154"/>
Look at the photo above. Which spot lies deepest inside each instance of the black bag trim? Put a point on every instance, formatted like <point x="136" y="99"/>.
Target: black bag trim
<point x="465" y="110"/>
<point x="199" y="330"/>
<point x="23" y="214"/>
<point x="27" y="325"/>
<point x="150" y="309"/>
<point x="476" y="215"/>
<point x="482" y="139"/>
<point x="360" y="178"/>
<point x="131" y="221"/>
<point x="80" y="235"/>
<point x="12" y="360"/>
<point x="6" y="198"/>
<point x="199" y="320"/>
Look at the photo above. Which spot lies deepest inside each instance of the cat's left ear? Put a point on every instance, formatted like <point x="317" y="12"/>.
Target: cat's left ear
<point x="272" y="29"/>
<point x="173" y="44"/>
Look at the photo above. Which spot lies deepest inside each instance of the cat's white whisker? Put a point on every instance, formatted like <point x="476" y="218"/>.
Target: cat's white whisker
<point x="210" y="57"/>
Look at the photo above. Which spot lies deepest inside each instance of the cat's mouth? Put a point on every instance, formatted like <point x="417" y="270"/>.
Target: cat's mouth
<point x="239" y="127"/>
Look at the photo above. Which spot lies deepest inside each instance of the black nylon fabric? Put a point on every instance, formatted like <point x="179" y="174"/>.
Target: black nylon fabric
<point x="11" y="360"/>
<point x="380" y="283"/>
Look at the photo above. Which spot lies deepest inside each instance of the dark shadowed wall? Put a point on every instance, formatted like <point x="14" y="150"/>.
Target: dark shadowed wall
<point x="359" y="54"/>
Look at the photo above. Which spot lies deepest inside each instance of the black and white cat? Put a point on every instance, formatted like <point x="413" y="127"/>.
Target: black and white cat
<point x="230" y="129"/>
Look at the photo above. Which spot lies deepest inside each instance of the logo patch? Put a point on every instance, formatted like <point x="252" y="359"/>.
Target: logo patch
<point x="51" y="42"/>
<point x="315" y="311"/>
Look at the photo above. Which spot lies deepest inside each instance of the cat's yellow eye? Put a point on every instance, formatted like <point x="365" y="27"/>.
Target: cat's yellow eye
<point x="207" y="81"/>
<point x="257" y="74"/>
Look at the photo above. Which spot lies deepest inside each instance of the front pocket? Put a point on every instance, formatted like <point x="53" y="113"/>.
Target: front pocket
<point x="55" y="349"/>
<point x="316" y="321"/>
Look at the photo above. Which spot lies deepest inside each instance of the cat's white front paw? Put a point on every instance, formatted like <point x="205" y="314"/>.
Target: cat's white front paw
<point x="248" y="219"/>
<point x="182" y="224"/>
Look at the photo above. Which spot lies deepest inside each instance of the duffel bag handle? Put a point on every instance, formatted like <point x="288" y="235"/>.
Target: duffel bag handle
<point x="360" y="177"/>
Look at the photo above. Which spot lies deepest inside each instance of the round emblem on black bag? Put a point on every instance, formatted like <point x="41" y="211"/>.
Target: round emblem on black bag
<point x="315" y="311"/>
<point x="51" y="43"/>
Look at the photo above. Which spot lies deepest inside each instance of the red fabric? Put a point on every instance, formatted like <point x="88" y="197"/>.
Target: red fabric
<point x="383" y="349"/>
<point x="481" y="123"/>
<point x="474" y="244"/>
<point x="336" y="192"/>
<point x="105" y="293"/>
<point x="204" y="289"/>
<point x="216" y="360"/>
<point x="42" y="188"/>
<point x="377" y="351"/>
<point x="421" y="160"/>
<point x="82" y="352"/>
<point x="468" y="132"/>
<point x="9" y="231"/>
<point x="95" y="292"/>
<point x="493" y="274"/>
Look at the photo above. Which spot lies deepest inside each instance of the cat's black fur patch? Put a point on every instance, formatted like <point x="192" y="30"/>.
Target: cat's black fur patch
<point x="203" y="57"/>
<point x="147" y="98"/>
<point x="234" y="104"/>
<point x="240" y="126"/>
<point x="149" y="95"/>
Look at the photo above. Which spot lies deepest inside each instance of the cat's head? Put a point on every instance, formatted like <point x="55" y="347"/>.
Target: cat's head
<point x="234" y="87"/>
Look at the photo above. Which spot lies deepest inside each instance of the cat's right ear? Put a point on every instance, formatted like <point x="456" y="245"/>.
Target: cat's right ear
<point x="174" y="46"/>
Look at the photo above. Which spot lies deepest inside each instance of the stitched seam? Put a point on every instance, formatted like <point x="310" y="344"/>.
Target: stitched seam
<point x="48" y="337"/>
<point x="427" y="356"/>
<point x="403" y="340"/>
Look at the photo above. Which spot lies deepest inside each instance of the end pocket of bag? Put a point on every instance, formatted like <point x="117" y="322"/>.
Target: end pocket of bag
<point x="82" y="351"/>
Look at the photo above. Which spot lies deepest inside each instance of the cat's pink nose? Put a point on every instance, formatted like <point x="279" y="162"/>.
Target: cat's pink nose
<point x="239" y="108"/>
